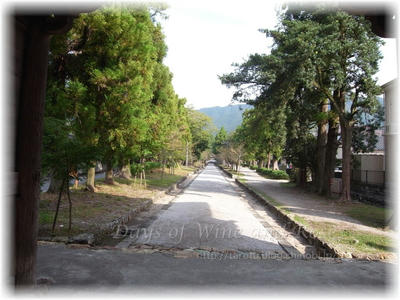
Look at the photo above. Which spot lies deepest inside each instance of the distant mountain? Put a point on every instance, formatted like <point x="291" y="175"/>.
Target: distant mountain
<point x="229" y="116"/>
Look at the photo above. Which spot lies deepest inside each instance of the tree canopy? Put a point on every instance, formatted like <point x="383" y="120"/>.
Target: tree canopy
<point x="320" y="73"/>
<point x="110" y="97"/>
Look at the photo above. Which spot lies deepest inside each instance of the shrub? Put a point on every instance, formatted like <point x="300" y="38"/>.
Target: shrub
<point x="151" y="165"/>
<point x="273" y="174"/>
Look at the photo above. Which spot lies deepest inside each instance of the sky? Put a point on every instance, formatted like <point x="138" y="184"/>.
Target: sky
<point x="205" y="37"/>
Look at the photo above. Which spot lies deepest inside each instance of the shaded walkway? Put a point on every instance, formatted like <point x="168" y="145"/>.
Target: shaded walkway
<point x="305" y="204"/>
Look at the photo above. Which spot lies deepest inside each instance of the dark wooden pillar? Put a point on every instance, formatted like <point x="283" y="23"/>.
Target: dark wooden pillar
<point x="32" y="36"/>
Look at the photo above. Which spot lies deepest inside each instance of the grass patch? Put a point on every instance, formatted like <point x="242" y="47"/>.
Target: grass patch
<point x="45" y="217"/>
<point x="360" y="243"/>
<point x="92" y="210"/>
<point x="123" y="180"/>
<point x="156" y="179"/>
<point x="271" y="200"/>
<point x="164" y="182"/>
<point x="287" y="184"/>
<point x="368" y="214"/>
<point x="300" y="220"/>
<point x="353" y="241"/>
<point x="235" y="172"/>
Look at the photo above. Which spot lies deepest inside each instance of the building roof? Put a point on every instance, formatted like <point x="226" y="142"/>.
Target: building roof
<point x="390" y="83"/>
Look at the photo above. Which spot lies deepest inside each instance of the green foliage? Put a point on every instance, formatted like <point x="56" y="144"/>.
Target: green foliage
<point x="201" y="130"/>
<point x="366" y="122"/>
<point x="220" y="140"/>
<point x="110" y="94"/>
<point x="63" y="152"/>
<point x="273" y="174"/>
<point x="136" y="168"/>
<point x="319" y="55"/>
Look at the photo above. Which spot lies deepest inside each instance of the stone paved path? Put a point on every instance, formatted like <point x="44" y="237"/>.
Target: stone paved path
<point x="209" y="214"/>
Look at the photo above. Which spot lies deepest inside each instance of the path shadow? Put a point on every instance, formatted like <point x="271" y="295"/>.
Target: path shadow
<point x="191" y="225"/>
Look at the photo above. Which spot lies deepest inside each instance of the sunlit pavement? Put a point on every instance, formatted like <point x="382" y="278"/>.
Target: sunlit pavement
<point x="210" y="214"/>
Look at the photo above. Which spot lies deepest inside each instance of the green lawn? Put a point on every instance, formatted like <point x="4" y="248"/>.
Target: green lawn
<point x="368" y="214"/>
<point x="353" y="241"/>
<point x="358" y="242"/>
<point x="166" y="181"/>
<point x="288" y="184"/>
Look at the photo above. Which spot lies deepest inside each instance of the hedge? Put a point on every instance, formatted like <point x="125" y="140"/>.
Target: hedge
<point x="273" y="174"/>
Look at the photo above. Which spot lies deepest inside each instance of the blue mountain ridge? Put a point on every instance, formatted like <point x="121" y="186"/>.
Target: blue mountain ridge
<point x="229" y="116"/>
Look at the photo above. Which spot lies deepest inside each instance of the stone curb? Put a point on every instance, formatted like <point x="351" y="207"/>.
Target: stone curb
<point x="229" y="174"/>
<point x="126" y="218"/>
<point x="322" y="248"/>
<point x="178" y="185"/>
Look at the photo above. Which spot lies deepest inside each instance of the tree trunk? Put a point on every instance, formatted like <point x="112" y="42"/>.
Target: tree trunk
<point x="126" y="170"/>
<point x="302" y="177"/>
<point x="346" y="132"/>
<point x="330" y="156"/>
<point x="269" y="161"/>
<point x="69" y="211"/>
<point x="109" y="174"/>
<point x="54" y="186"/>
<point x="91" y="174"/>
<point x="187" y="154"/>
<point x="58" y="206"/>
<point x="275" y="165"/>
<point x="321" y="150"/>
<point x="31" y="57"/>
<point x="144" y="178"/>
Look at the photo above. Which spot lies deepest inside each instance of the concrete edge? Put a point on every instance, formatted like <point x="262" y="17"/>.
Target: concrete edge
<point x="322" y="248"/>
<point x="226" y="172"/>
<point x="178" y="185"/>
